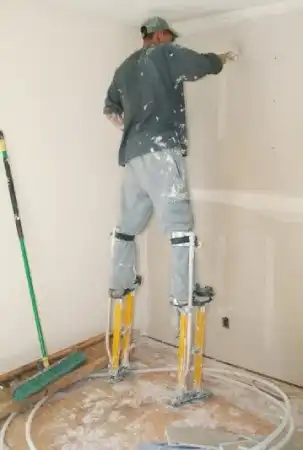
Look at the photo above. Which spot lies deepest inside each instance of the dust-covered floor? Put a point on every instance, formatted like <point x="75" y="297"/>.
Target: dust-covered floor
<point x="96" y="415"/>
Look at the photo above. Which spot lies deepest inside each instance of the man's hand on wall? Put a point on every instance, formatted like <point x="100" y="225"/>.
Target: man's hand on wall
<point x="116" y="120"/>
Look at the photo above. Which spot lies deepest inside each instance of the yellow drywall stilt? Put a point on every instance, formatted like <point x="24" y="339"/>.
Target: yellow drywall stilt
<point x="127" y="326"/>
<point x="117" y="328"/>
<point x="183" y="323"/>
<point x="199" y="347"/>
<point x="190" y="354"/>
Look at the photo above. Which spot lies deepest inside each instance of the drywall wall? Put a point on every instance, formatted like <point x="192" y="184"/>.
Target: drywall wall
<point x="55" y="69"/>
<point x="245" y="174"/>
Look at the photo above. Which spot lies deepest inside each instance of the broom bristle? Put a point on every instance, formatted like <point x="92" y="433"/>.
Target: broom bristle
<point x="41" y="380"/>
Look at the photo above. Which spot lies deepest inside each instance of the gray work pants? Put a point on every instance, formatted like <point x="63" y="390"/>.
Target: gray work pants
<point x="155" y="182"/>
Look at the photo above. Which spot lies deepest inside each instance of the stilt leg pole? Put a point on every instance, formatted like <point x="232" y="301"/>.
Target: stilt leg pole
<point x="189" y="308"/>
<point x="121" y="312"/>
<point x="186" y="332"/>
<point x="117" y="335"/>
<point x="108" y="333"/>
<point x="199" y="347"/>
<point x="127" y="328"/>
<point x="191" y="340"/>
<point x="182" y="350"/>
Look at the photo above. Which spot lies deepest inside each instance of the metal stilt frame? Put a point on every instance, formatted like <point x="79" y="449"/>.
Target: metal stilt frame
<point x="191" y="336"/>
<point x="190" y="356"/>
<point x="191" y="341"/>
<point x="119" y="333"/>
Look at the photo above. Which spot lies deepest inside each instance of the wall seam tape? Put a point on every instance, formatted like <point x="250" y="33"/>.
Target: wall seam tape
<point x="262" y="202"/>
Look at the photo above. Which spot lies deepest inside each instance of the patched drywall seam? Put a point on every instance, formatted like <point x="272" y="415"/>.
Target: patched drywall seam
<point x="281" y="207"/>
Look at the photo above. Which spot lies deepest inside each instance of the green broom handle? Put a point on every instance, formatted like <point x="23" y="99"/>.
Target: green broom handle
<point x="15" y="207"/>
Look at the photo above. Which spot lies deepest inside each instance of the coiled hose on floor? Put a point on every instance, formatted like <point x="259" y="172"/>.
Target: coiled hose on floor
<point x="274" y="441"/>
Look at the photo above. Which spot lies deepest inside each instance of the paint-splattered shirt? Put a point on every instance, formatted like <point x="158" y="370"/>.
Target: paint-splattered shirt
<point x="147" y="89"/>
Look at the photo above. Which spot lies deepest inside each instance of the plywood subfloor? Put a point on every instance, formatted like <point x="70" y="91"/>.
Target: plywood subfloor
<point x="96" y="415"/>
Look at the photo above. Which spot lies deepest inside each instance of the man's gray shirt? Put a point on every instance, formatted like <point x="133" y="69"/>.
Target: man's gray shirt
<point x="147" y="89"/>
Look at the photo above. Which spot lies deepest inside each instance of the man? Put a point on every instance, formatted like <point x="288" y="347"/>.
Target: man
<point x="146" y="100"/>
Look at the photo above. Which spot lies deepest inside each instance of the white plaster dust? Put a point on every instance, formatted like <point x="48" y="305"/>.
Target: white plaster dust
<point x="117" y="418"/>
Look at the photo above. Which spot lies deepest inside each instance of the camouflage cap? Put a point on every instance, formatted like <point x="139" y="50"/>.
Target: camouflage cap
<point x="154" y="24"/>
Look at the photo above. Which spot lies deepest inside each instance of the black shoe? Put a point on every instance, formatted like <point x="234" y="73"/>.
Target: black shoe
<point x="120" y="293"/>
<point x="203" y="295"/>
<point x="137" y="283"/>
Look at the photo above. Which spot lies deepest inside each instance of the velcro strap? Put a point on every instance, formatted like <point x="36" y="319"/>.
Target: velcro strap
<point x="124" y="237"/>
<point x="183" y="240"/>
<point x="180" y="240"/>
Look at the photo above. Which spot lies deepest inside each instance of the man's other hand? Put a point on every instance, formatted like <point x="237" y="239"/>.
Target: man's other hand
<point x="116" y="120"/>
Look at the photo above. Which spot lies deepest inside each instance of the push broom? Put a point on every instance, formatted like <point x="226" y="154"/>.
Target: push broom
<point x="50" y="373"/>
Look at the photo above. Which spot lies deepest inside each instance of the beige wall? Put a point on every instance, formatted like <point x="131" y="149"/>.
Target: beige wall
<point x="245" y="166"/>
<point x="55" y="69"/>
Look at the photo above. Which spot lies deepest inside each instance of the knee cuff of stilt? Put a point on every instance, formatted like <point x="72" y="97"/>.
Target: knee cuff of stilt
<point x="124" y="236"/>
<point x="184" y="238"/>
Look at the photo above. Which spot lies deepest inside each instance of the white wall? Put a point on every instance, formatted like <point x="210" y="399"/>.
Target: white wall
<point x="55" y="69"/>
<point x="245" y="170"/>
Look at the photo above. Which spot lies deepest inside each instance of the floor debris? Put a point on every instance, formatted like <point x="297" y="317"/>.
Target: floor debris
<point x="95" y="414"/>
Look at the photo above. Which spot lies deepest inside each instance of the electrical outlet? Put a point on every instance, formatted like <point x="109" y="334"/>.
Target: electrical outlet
<point x="225" y="322"/>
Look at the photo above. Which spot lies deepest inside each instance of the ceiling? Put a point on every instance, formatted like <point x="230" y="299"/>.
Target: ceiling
<point x="134" y="11"/>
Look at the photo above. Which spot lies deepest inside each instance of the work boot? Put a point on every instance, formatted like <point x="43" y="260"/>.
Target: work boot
<point x="201" y="296"/>
<point x="121" y="293"/>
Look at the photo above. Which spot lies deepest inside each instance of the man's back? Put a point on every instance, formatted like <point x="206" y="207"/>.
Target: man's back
<point x="148" y="89"/>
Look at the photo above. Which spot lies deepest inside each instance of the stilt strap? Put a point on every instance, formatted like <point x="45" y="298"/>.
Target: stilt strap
<point x="124" y="236"/>
<point x="183" y="240"/>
